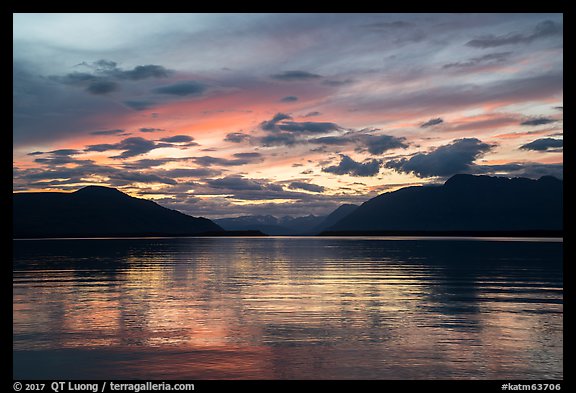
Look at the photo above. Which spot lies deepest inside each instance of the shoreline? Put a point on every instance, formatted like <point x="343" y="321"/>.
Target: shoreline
<point x="327" y="234"/>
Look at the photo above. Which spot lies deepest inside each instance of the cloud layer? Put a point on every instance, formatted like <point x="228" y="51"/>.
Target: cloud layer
<point x="446" y="160"/>
<point x="230" y="114"/>
<point x="347" y="166"/>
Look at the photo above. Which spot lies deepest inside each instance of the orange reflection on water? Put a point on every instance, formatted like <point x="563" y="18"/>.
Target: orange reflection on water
<point x="235" y="312"/>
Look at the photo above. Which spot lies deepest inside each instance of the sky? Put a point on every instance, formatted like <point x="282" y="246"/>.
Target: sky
<point x="223" y="115"/>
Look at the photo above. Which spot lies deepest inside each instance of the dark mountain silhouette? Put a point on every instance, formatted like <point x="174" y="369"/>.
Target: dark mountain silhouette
<point x="99" y="211"/>
<point x="286" y="226"/>
<point x="464" y="203"/>
<point x="337" y="215"/>
<point x="266" y="224"/>
<point x="270" y="225"/>
<point x="303" y="224"/>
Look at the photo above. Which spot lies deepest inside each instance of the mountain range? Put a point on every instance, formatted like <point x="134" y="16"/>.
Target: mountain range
<point x="99" y="211"/>
<point x="463" y="204"/>
<point x="271" y="225"/>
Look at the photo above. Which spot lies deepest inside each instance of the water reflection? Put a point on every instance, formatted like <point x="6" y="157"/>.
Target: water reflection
<point x="287" y="308"/>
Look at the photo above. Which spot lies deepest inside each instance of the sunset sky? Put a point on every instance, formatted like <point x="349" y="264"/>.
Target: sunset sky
<point x="221" y="115"/>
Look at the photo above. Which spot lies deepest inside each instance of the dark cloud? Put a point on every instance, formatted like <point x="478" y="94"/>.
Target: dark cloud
<point x="311" y="114"/>
<point x="447" y="160"/>
<point x="58" y="175"/>
<point x="139" y="105"/>
<point x="289" y="99"/>
<point x="185" y="88"/>
<point x="60" y="160"/>
<point x="75" y="78"/>
<point x="298" y="185"/>
<point x="375" y="144"/>
<point x="432" y="122"/>
<point x="338" y="83"/>
<point x="537" y="121"/>
<point x="105" y="74"/>
<point x="178" y="139"/>
<point x="36" y="174"/>
<point x="59" y="157"/>
<point x="378" y="144"/>
<point x="110" y="69"/>
<point x="101" y="147"/>
<point x="248" y="155"/>
<point x="93" y="84"/>
<point x="143" y="72"/>
<point x="144" y="166"/>
<point x="65" y="152"/>
<point x="236" y="137"/>
<point x="146" y="129"/>
<point x="102" y="87"/>
<point x="279" y="123"/>
<point x="81" y="79"/>
<point x="123" y="178"/>
<point x="36" y="153"/>
<point x="543" y="29"/>
<point x="347" y="166"/>
<point x="308" y="127"/>
<point x="532" y="170"/>
<point x="537" y="170"/>
<point x="560" y="108"/>
<point x="331" y="140"/>
<point x="295" y="75"/>
<point x="544" y="144"/>
<point x="107" y="132"/>
<point x="101" y="65"/>
<point x="270" y="125"/>
<point x="240" y="159"/>
<point x="490" y="58"/>
<point x="237" y="183"/>
<point x="134" y="146"/>
<point x="131" y="147"/>
<point x="279" y="139"/>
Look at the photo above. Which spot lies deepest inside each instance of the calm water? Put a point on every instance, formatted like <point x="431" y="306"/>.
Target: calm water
<point x="287" y="308"/>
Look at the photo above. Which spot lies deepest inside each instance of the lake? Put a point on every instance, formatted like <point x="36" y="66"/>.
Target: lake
<point x="288" y="308"/>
